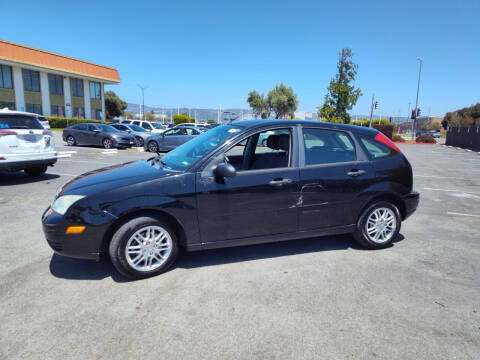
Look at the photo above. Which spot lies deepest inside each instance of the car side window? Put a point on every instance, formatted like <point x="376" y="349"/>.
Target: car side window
<point x="376" y="149"/>
<point x="189" y="131"/>
<point x="147" y="126"/>
<point x="265" y="150"/>
<point x="136" y="123"/>
<point x="172" y="132"/>
<point x="327" y="146"/>
<point x="92" y="127"/>
<point x="81" y="127"/>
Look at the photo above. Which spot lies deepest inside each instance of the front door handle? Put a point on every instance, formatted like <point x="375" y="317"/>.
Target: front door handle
<point x="280" y="182"/>
<point x="355" y="172"/>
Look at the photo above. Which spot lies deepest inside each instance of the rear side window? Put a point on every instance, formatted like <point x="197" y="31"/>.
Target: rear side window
<point x="376" y="149"/>
<point x="19" y="122"/>
<point x="146" y="126"/>
<point x="327" y="146"/>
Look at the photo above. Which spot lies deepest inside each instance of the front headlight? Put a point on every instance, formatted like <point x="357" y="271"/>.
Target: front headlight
<point x="61" y="205"/>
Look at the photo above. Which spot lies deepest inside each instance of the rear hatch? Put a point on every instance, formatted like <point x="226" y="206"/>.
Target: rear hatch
<point x="22" y="134"/>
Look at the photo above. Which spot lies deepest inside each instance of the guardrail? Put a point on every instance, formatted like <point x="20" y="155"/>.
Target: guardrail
<point x="464" y="136"/>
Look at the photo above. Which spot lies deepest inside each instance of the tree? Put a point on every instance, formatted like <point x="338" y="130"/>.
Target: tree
<point x="114" y="106"/>
<point x="342" y="95"/>
<point x="150" y="116"/>
<point x="282" y="101"/>
<point x="182" y="118"/>
<point x="128" y="115"/>
<point x="259" y="104"/>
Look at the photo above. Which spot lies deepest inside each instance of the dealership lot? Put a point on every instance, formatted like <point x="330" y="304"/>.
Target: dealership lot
<point x="314" y="298"/>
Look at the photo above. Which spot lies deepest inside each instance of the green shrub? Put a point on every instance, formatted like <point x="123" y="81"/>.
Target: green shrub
<point x="398" y="138"/>
<point x="210" y="121"/>
<point x="57" y="122"/>
<point x="425" y="139"/>
<point x="386" y="129"/>
<point x="182" y="118"/>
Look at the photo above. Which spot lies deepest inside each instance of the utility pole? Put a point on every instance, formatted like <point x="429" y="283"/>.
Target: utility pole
<point x="371" y="111"/>
<point x="408" y="112"/>
<point x="143" y="100"/>
<point x="414" y="122"/>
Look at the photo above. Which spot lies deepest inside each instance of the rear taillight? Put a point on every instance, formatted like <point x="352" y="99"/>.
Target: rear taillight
<point x="7" y="132"/>
<point x="385" y="140"/>
<point x="47" y="132"/>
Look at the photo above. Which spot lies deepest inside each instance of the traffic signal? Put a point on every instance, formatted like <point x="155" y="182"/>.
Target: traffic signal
<point x="376" y="104"/>
<point x="413" y="114"/>
<point x="418" y="112"/>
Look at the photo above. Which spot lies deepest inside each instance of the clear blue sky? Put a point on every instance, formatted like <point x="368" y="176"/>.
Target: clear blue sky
<point x="205" y="53"/>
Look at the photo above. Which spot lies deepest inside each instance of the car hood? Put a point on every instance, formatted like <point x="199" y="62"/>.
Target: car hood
<point x="113" y="177"/>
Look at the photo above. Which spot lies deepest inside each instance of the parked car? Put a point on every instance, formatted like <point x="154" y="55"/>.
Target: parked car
<point x="434" y="134"/>
<point x="222" y="189"/>
<point x="25" y="144"/>
<point x="138" y="132"/>
<point x="97" y="134"/>
<point x="171" y="138"/>
<point x="151" y="126"/>
<point x="43" y="120"/>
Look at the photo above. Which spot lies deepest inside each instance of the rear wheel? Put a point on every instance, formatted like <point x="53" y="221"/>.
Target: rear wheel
<point x="138" y="141"/>
<point x="71" y="140"/>
<point x="36" y="171"/>
<point x="144" y="246"/>
<point x="153" y="146"/>
<point x="107" y="143"/>
<point x="378" y="225"/>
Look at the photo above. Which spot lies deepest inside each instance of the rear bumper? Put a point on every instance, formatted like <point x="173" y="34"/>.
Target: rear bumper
<point x="123" y="143"/>
<point x="411" y="203"/>
<point x="20" y="164"/>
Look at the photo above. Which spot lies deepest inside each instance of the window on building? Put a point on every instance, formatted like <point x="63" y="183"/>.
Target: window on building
<point x="95" y="92"/>
<point x="79" y="112"/>
<point x="327" y="147"/>
<point x="55" y="83"/>
<point x="98" y="114"/>
<point x="58" y="110"/>
<point x="31" y="80"/>
<point x="34" y="108"/>
<point x="6" y="77"/>
<point x="77" y="87"/>
<point x="6" y="104"/>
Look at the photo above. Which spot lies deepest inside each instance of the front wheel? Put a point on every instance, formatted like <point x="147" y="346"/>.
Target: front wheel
<point x="107" y="143"/>
<point x="378" y="226"/>
<point x="153" y="146"/>
<point x="144" y="246"/>
<point x="138" y="141"/>
<point x="36" y="171"/>
<point x="71" y="140"/>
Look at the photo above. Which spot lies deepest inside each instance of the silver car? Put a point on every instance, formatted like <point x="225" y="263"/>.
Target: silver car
<point x="171" y="138"/>
<point x="139" y="132"/>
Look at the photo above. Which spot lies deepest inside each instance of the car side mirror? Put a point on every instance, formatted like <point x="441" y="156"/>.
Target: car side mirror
<point x="96" y="131"/>
<point x="224" y="170"/>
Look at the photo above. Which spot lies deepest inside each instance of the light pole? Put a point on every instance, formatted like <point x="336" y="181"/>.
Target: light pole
<point x="414" y="122"/>
<point x="143" y="100"/>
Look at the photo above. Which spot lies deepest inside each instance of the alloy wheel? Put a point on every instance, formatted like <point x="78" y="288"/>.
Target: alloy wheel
<point x="107" y="144"/>
<point x="148" y="248"/>
<point x="381" y="225"/>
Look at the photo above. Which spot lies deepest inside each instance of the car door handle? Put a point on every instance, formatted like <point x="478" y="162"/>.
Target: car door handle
<point x="280" y="182"/>
<point x="355" y="172"/>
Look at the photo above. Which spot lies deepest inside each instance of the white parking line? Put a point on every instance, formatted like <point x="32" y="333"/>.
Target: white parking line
<point x="456" y="191"/>
<point x="462" y="214"/>
<point x="64" y="155"/>
<point x="67" y="152"/>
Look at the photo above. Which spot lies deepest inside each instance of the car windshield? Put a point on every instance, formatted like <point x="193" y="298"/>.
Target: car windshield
<point x="187" y="154"/>
<point x="137" y="128"/>
<point x="157" y="126"/>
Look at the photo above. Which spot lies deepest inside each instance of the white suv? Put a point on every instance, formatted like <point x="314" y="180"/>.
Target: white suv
<point x="152" y="126"/>
<point x="24" y="143"/>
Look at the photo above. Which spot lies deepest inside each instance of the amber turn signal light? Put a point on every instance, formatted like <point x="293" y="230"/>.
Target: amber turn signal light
<point x="75" y="229"/>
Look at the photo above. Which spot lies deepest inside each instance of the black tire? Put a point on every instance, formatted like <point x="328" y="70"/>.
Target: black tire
<point x="107" y="143"/>
<point x="71" y="140"/>
<point x="36" y="171"/>
<point x="264" y="143"/>
<point x="138" y="141"/>
<point x="361" y="236"/>
<point x="152" y="146"/>
<point x="117" y="247"/>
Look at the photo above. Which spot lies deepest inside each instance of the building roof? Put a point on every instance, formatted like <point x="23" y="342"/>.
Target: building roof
<point x="27" y="55"/>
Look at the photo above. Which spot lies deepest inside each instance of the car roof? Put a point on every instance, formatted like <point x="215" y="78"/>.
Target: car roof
<point x="305" y="123"/>
<point x="6" y="111"/>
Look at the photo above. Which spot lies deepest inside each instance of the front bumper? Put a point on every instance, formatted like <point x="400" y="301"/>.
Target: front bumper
<point x="123" y="143"/>
<point x="87" y="245"/>
<point x="411" y="203"/>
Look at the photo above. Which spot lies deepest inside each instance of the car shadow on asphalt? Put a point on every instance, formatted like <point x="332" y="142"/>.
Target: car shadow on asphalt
<point x="20" y="178"/>
<point x="78" y="269"/>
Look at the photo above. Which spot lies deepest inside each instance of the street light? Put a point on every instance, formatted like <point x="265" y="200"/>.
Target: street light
<point x="143" y="99"/>
<point x="414" y="122"/>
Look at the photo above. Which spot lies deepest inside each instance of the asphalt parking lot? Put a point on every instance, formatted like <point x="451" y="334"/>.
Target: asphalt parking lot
<point x="314" y="298"/>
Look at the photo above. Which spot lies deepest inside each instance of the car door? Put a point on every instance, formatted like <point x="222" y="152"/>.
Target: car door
<point x="172" y="138"/>
<point x="93" y="135"/>
<point x="260" y="200"/>
<point x="79" y="132"/>
<point x="333" y="173"/>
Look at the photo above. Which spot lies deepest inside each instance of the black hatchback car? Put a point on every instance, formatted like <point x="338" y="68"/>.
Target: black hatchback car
<point x="97" y="134"/>
<point x="230" y="187"/>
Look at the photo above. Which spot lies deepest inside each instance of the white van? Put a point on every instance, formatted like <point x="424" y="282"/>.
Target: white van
<point x="24" y="143"/>
<point x="151" y="126"/>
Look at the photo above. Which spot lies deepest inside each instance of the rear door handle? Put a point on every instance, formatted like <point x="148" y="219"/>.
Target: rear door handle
<point x="355" y="172"/>
<point x="280" y="182"/>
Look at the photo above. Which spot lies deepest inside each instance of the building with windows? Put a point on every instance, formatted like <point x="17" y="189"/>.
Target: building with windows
<point x="51" y="84"/>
